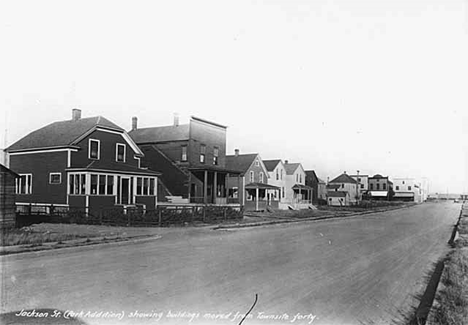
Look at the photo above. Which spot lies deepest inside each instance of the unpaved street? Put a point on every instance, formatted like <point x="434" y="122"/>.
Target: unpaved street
<point x="360" y="270"/>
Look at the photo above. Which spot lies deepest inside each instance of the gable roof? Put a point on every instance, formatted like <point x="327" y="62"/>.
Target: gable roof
<point x="311" y="173"/>
<point x="161" y="134"/>
<point x="344" y="178"/>
<point x="291" y="168"/>
<point x="271" y="164"/>
<point x="62" y="133"/>
<point x="240" y="162"/>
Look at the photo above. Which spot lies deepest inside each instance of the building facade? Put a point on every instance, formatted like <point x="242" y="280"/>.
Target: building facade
<point x="380" y="188"/>
<point x="191" y="157"/>
<point x="347" y="186"/>
<point x="298" y="195"/>
<point x="88" y="164"/>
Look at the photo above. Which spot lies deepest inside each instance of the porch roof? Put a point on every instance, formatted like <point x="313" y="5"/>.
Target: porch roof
<point x="261" y="186"/>
<point x="214" y="169"/>
<point x="111" y="167"/>
<point x="301" y="187"/>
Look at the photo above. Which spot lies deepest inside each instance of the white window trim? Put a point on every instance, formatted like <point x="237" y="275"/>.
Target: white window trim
<point x="98" y="151"/>
<point x="117" y="152"/>
<point x="139" y="161"/>
<point x="28" y="187"/>
<point x="55" y="173"/>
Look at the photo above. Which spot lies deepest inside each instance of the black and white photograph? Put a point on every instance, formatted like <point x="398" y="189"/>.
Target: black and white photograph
<point x="247" y="162"/>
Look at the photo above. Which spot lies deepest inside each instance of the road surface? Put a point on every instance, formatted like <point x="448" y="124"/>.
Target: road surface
<point x="360" y="270"/>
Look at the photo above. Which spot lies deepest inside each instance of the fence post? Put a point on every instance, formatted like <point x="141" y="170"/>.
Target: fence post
<point x="159" y="216"/>
<point x="204" y="213"/>
<point x="192" y="215"/>
<point x="224" y="212"/>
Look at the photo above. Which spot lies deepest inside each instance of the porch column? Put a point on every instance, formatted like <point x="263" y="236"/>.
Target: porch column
<point x="205" y="188"/>
<point x="226" y="182"/>
<point x="215" y="185"/>
<point x="256" y="199"/>
<point x="240" y="193"/>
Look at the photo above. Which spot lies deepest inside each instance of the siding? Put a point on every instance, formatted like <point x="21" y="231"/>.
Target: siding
<point x="7" y="200"/>
<point x="211" y="136"/>
<point x="40" y="165"/>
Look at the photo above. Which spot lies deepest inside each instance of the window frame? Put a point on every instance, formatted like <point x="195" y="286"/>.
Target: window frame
<point x="203" y="153"/>
<point x="215" y="155"/>
<point x="252" y="176"/>
<point x="124" y="156"/>
<point x="183" y="154"/>
<point x="28" y="184"/>
<point x="55" y="174"/>
<point x="98" y="149"/>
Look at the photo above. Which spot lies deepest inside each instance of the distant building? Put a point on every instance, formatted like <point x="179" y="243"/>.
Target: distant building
<point x="313" y="181"/>
<point x="322" y="190"/>
<point x="408" y="189"/>
<point x="343" y="191"/>
<point x="380" y="188"/>
<point x="363" y="182"/>
<point x="298" y="194"/>
<point x="277" y="173"/>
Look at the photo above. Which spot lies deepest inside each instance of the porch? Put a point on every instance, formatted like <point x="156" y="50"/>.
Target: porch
<point x="302" y="194"/>
<point x="260" y="196"/>
<point x="210" y="186"/>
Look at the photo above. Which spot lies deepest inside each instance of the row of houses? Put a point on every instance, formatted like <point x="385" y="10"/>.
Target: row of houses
<point x="92" y="163"/>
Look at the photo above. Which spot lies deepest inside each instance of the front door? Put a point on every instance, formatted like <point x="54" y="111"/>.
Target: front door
<point x="125" y="191"/>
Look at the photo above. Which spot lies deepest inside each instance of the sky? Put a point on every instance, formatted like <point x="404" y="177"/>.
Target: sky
<point x="376" y="86"/>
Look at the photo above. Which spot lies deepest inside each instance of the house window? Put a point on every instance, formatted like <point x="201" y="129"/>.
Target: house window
<point x="215" y="155"/>
<point x="94" y="149"/>
<point x="359" y="179"/>
<point x="110" y="185"/>
<point x="261" y="177"/>
<point x="409" y="188"/>
<point x="403" y="182"/>
<point x="120" y="152"/>
<point x="342" y="185"/>
<point x="24" y="184"/>
<point x="362" y="185"/>
<point x="55" y="178"/>
<point x="251" y="176"/>
<point x="94" y="184"/>
<point x="257" y="163"/>
<point x="202" y="153"/>
<point x="281" y="174"/>
<point x="300" y="178"/>
<point x="145" y="185"/>
<point x="277" y="175"/>
<point x="397" y="187"/>
<point x="282" y="191"/>
<point x="184" y="153"/>
<point x="77" y="184"/>
<point x="371" y="186"/>
<point x="377" y="186"/>
<point x="384" y="186"/>
<point x="102" y="184"/>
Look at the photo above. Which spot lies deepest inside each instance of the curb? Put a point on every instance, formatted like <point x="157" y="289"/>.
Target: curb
<point x="70" y="244"/>
<point x="275" y="222"/>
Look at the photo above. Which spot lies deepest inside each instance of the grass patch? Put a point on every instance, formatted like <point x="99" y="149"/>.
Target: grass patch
<point x="452" y="308"/>
<point x="29" y="236"/>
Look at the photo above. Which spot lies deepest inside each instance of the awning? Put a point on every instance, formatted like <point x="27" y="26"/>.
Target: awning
<point x="301" y="187"/>
<point x="404" y="194"/>
<point x="261" y="186"/>
<point x="379" y="193"/>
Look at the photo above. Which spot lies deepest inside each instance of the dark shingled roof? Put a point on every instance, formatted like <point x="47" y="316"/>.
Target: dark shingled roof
<point x="291" y="168"/>
<point x="344" y="178"/>
<point x="59" y="134"/>
<point x="240" y="162"/>
<point x="161" y="134"/>
<point x="271" y="164"/>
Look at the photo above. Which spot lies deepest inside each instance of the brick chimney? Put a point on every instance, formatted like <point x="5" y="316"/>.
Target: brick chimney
<point x="76" y="114"/>
<point x="236" y="152"/>
<point x="176" y="119"/>
<point x="134" y="123"/>
<point x="286" y="162"/>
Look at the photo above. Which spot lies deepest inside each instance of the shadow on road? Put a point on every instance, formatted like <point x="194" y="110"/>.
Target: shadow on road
<point x="43" y="316"/>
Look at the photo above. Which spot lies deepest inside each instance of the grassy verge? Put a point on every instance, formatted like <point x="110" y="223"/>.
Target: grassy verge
<point x="28" y="235"/>
<point x="451" y="306"/>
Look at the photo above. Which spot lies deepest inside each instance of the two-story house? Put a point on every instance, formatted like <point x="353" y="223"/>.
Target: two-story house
<point x="298" y="194"/>
<point x="343" y="191"/>
<point x="363" y="182"/>
<point x="191" y="157"/>
<point x="313" y="181"/>
<point x="85" y="163"/>
<point x="254" y="191"/>
<point x="380" y="188"/>
<point x="277" y="173"/>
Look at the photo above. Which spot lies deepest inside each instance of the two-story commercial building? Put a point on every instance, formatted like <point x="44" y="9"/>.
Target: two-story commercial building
<point x="191" y="158"/>
<point x="85" y="163"/>
<point x="408" y="189"/>
<point x="380" y="188"/>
